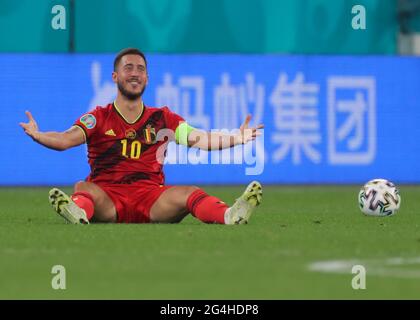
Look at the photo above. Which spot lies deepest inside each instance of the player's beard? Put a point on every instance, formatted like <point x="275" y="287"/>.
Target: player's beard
<point x="130" y="95"/>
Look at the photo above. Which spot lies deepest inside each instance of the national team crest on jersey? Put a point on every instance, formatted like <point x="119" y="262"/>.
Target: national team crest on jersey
<point x="149" y="135"/>
<point x="130" y="134"/>
<point x="88" y="120"/>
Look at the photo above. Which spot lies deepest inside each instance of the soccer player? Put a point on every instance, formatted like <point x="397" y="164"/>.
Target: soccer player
<point x="126" y="145"/>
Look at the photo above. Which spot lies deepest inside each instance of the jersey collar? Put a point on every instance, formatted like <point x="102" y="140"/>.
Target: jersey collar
<point x="124" y="118"/>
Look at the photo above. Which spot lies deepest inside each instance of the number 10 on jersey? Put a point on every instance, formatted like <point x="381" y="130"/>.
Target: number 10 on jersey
<point x="135" y="149"/>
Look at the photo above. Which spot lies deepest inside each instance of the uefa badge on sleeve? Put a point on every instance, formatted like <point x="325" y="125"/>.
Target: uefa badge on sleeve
<point x="88" y="120"/>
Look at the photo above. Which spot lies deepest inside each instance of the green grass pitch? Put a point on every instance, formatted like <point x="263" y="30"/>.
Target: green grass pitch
<point x="295" y="229"/>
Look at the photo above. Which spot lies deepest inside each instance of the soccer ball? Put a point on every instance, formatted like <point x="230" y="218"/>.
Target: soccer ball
<point x="379" y="197"/>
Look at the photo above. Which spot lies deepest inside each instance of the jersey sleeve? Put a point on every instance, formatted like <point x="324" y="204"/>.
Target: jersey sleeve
<point x="88" y="123"/>
<point x="178" y="125"/>
<point x="172" y="120"/>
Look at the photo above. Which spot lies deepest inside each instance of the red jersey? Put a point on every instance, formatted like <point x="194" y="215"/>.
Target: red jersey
<point x="120" y="152"/>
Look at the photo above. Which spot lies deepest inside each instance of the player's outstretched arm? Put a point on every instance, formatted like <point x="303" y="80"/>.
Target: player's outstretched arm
<point x="219" y="140"/>
<point x="54" y="140"/>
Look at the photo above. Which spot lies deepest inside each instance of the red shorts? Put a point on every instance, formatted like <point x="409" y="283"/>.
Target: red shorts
<point x="134" y="201"/>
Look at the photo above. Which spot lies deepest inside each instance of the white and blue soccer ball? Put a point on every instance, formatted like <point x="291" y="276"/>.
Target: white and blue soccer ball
<point x="379" y="197"/>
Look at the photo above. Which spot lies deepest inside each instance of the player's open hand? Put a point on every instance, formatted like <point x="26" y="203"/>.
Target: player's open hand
<point x="247" y="133"/>
<point x="30" y="128"/>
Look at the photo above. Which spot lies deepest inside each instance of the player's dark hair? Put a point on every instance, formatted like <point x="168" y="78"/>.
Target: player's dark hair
<point x="126" y="51"/>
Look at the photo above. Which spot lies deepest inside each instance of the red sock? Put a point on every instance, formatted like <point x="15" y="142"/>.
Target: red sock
<point x="206" y="208"/>
<point x="85" y="201"/>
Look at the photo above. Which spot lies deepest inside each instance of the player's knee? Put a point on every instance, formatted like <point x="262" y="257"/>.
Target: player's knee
<point x="182" y="197"/>
<point x="190" y="189"/>
<point x="81" y="186"/>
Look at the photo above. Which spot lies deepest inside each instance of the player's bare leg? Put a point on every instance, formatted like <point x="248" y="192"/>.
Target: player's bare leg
<point x="175" y="203"/>
<point x="89" y="202"/>
<point x="171" y="206"/>
<point x="104" y="209"/>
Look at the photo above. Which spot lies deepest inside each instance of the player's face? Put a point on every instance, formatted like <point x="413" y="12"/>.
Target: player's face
<point x="131" y="76"/>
